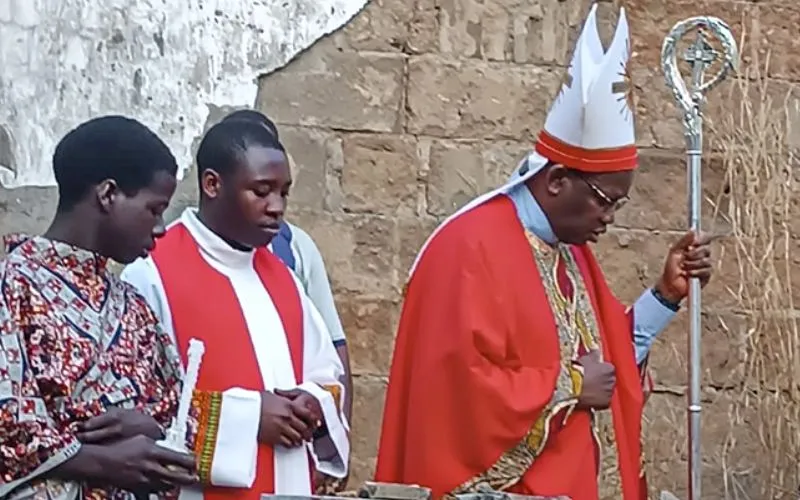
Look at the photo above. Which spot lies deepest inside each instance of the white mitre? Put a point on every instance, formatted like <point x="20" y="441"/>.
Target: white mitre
<point x="590" y="124"/>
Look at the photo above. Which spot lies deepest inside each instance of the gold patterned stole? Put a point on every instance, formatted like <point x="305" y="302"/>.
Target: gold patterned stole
<point x="576" y="325"/>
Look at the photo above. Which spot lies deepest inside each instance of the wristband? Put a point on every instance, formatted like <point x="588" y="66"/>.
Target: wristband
<point x="672" y="306"/>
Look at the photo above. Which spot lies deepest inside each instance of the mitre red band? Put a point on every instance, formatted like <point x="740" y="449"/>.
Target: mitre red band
<point x="587" y="160"/>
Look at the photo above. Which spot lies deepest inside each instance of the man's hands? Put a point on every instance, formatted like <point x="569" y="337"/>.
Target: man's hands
<point x="139" y="464"/>
<point x="599" y="379"/>
<point x="119" y="449"/>
<point x="116" y="424"/>
<point x="288" y="418"/>
<point x="302" y="399"/>
<point x="135" y="464"/>
<point x="689" y="258"/>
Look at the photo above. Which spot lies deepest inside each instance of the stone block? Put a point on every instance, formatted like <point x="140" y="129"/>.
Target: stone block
<point x="359" y="250"/>
<point x="658" y="122"/>
<point x="423" y="36"/>
<point x="413" y="233"/>
<point x="389" y="26"/>
<point x="462" y="170"/>
<point x="369" y="394"/>
<point x="309" y="151"/>
<point x="634" y="260"/>
<point x="342" y="90"/>
<point x="659" y="196"/>
<point x="456" y="176"/>
<point x="475" y="29"/>
<point x="380" y="174"/>
<point x="520" y="31"/>
<point x="631" y="261"/>
<point x="370" y="325"/>
<point x="724" y="351"/>
<point x="382" y="27"/>
<point x="452" y="98"/>
<point x="375" y="247"/>
<point x="503" y="157"/>
<point x="394" y="491"/>
<point x="777" y="25"/>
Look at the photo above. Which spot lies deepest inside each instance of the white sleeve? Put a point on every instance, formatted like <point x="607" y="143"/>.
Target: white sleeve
<point x="322" y="368"/>
<point x="236" y="444"/>
<point x="143" y="275"/>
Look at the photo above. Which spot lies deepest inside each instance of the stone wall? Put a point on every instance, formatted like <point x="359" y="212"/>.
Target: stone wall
<point x="418" y="105"/>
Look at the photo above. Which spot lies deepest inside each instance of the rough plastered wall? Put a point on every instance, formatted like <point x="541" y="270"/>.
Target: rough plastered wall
<point x="410" y="110"/>
<point x="165" y="62"/>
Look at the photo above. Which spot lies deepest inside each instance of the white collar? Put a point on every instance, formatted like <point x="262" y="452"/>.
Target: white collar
<point x="212" y="247"/>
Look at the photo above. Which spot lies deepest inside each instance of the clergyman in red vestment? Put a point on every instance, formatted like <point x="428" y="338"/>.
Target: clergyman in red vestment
<point x="266" y="346"/>
<point x="515" y="367"/>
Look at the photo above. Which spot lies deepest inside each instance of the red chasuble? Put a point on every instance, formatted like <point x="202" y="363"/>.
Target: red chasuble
<point x="476" y="361"/>
<point x="204" y="306"/>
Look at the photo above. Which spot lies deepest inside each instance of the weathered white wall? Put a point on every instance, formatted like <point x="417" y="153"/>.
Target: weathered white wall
<point x="163" y="62"/>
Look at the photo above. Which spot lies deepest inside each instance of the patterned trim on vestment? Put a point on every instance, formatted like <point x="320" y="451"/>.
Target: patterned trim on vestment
<point x="208" y="406"/>
<point x="336" y="392"/>
<point x="576" y="325"/>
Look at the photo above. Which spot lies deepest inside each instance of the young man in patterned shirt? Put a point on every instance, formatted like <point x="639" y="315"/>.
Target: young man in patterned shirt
<point x="88" y="380"/>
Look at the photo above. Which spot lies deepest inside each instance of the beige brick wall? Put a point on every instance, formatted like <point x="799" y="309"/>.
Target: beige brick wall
<point x="419" y="105"/>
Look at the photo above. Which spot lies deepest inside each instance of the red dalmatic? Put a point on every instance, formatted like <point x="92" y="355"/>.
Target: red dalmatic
<point x="204" y="306"/>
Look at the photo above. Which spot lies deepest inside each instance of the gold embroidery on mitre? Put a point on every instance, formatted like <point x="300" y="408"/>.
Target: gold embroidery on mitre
<point x="624" y="87"/>
<point x="566" y="83"/>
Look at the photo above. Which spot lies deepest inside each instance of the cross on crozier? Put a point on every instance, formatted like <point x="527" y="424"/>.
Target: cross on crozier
<point x="700" y="55"/>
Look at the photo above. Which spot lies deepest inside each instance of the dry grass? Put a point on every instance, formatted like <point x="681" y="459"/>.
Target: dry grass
<point x="759" y="459"/>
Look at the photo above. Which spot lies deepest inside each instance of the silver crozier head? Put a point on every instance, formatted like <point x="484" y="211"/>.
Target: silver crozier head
<point x="700" y="56"/>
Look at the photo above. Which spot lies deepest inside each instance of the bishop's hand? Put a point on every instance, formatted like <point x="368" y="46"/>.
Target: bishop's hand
<point x="599" y="379"/>
<point x="280" y="424"/>
<point x="689" y="257"/>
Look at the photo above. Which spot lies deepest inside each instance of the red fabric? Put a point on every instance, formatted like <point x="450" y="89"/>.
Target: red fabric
<point x="476" y="360"/>
<point x="204" y="306"/>
<point x="587" y="160"/>
<point x="627" y="403"/>
<point x="563" y="280"/>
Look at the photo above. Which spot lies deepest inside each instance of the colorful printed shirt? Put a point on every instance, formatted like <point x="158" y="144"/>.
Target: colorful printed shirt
<point x="74" y="340"/>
